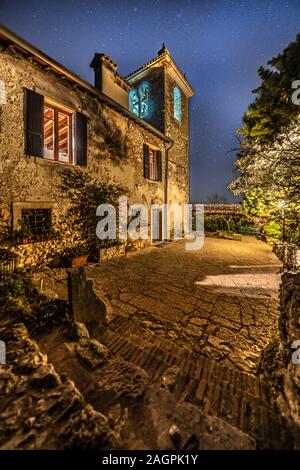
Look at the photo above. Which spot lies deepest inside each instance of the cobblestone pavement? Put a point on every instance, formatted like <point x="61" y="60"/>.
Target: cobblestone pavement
<point x="221" y="301"/>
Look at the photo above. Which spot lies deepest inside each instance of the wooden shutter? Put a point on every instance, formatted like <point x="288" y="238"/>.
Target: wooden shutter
<point x="146" y="161"/>
<point x="33" y="123"/>
<point x="80" y="133"/>
<point x="159" y="167"/>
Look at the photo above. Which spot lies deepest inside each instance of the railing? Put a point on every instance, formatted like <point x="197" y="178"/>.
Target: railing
<point x="8" y="263"/>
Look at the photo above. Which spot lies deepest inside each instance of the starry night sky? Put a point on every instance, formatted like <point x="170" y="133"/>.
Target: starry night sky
<point x="219" y="45"/>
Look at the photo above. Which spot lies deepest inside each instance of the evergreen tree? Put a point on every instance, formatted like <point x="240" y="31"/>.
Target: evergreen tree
<point x="268" y="160"/>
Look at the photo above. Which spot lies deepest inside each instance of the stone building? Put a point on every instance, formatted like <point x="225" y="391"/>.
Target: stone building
<point x="129" y="130"/>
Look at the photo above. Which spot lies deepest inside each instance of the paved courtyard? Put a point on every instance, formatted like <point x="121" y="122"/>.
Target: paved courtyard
<point x="221" y="301"/>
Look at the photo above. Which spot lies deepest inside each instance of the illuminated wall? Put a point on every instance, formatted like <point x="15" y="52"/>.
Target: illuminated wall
<point x="141" y="100"/>
<point x="177" y="103"/>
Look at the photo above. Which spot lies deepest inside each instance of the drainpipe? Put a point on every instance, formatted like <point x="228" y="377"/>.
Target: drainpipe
<point x="167" y="170"/>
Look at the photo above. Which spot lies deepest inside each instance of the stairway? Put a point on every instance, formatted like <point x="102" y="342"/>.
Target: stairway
<point x="239" y="398"/>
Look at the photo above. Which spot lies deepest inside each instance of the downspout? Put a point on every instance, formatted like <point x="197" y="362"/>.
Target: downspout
<point x="167" y="170"/>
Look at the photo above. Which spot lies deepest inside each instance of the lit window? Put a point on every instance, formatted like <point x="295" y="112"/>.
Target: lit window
<point x="134" y="101"/>
<point x="152" y="165"/>
<point x="57" y="134"/>
<point x="177" y="104"/>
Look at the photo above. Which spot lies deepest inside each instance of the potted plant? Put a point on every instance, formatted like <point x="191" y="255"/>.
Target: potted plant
<point x="77" y="256"/>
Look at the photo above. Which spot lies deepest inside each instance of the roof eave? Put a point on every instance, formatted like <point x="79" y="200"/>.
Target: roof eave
<point x="26" y="48"/>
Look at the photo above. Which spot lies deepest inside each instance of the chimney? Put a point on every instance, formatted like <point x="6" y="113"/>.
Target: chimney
<point x="108" y="81"/>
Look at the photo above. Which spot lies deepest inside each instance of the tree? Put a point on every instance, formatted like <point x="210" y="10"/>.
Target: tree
<point x="268" y="160"/>
<point x="272" y="108"/>
<point x="216" y="198"/>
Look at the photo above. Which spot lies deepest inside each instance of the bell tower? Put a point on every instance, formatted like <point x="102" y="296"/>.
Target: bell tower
<point x="160" y="95"/>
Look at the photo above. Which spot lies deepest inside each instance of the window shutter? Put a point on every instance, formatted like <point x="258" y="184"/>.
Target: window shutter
<point x="33" y="123"/>
<point x="146" y="161"/>
<point x="159" y="167"/>
<point x="80" y="133"/>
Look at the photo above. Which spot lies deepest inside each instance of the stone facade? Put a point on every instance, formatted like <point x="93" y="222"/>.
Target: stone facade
<point x="290" y="333"/>
<point x="114" y="143"/>
<point x="289" y="253"/>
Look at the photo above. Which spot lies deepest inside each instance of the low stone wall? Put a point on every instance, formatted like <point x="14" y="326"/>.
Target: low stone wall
<point x="289" y="254"/>
<point x="40" y="253"/>
<point x="48" y="252"/>
<point x="117" y="251"/>
<point x="33" y="254"/>
<point x="289" y="324"/>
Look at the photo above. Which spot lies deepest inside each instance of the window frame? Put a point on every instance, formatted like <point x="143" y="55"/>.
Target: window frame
<point x="17" y="208"/>
<point x="59" y="109"/>
<point x="154" y="166"/>
<point x="177" y="113"/>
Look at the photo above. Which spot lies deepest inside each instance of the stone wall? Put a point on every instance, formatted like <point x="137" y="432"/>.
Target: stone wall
<point x="289" y="254"/>
<point x="178" y="184"/>
<point x="115" y="145"/>
<point x="289" y="332"/>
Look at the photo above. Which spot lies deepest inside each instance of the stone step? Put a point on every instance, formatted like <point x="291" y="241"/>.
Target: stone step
<point x="238" y="397"/>
<point x="195" y="366"/>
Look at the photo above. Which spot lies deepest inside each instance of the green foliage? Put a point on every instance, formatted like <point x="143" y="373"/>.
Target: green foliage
<point x="25" y="234"/>
<point x="219" y="223"/>
<point x="12" y="290"/>
<point x="227" y="224"/>
<point x="20" y="299"/>
<point x="273" y="230"/>
<point x="78" y="250"/>
<point x="264" y="209"/>
<point x="268" y="159"/>
<point x="49" y="314"/>
<point x="272" y="108"/>
<point x="86" y="195"/>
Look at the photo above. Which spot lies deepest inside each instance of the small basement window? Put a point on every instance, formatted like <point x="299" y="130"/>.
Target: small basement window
<point x="36" y="223"/>
<point x="57" y="134"/>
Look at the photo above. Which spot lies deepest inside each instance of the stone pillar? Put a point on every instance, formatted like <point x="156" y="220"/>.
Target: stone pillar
<point x="85" y="304"/>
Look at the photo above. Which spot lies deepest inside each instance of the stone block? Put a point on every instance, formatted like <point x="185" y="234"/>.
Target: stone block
<point x="86" y="306"/>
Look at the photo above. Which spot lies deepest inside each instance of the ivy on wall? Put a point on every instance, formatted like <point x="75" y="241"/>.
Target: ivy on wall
<point x="85" y="195"/>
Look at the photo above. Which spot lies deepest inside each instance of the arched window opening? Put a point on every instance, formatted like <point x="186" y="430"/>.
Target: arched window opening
<point x="177" y="103"/>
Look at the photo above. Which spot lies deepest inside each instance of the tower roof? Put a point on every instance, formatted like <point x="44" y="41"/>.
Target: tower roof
<point x="163" y="57"/>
